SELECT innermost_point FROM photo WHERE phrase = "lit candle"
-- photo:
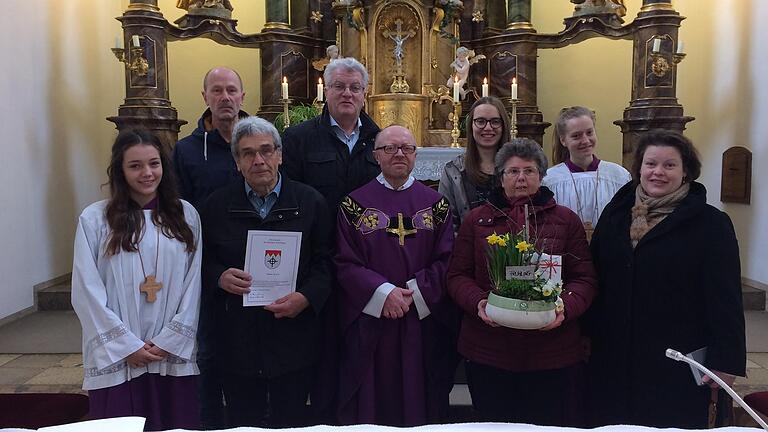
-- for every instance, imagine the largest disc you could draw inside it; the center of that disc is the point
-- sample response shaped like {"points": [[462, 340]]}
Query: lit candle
{"points": [[135, 39], [679, 46], [513, 91], [319, 89], [456, 89], [118, 42], [656, 45], [485, 87], [285, 88]]}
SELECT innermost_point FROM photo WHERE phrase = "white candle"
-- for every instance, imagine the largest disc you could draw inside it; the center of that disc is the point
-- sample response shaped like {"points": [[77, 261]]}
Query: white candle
{"points": [[285, 88], [656, 45], [680, 46], [319, 89], [513, 91], [135, 39], [456, 89], [485, 87], [118, 42]]}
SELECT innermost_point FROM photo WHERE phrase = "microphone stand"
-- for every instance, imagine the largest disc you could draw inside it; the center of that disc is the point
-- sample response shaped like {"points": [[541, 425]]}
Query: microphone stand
{"points": [[678, 356]]}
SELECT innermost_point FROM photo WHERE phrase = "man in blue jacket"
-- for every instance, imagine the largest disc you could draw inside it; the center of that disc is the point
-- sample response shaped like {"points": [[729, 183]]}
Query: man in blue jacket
{"points": [[203, 162]]}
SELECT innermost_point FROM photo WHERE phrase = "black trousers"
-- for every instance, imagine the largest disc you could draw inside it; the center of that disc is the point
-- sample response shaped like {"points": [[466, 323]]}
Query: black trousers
{"points": [[548, 397], [278, 402]]}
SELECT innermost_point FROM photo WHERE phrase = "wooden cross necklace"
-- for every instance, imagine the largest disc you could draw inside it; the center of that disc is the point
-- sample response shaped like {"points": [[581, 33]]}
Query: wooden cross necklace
{"points": [[150, 285]]}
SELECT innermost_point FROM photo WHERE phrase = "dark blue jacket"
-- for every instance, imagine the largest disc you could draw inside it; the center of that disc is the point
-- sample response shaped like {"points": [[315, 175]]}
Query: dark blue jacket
{"points": [[203, 162]]}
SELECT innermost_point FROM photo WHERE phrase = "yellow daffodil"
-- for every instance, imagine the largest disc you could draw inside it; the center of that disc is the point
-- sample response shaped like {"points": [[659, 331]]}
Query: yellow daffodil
{"points": [[493, 239], [523, 246], [546, 291], [502, 242]]}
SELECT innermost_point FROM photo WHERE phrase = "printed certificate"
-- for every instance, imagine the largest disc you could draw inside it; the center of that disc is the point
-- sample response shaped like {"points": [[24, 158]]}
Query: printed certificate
{"points": [[272, 260]]}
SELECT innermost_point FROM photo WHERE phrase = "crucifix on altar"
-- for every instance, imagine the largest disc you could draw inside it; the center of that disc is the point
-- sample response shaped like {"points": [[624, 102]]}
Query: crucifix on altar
{"points": [[399, 84]]}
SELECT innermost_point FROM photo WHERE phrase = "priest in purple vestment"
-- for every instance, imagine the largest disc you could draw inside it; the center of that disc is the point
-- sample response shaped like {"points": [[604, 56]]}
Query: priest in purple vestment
{"points": [[399, 325]]}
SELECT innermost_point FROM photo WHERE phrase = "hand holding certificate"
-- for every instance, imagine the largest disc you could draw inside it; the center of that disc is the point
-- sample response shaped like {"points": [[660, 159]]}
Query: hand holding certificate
{"points": [[272, 260]]}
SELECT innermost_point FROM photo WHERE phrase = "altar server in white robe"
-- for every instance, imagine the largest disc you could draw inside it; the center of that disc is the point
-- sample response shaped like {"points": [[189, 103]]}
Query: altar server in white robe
{"points": [[579, 180], [136, 290]]}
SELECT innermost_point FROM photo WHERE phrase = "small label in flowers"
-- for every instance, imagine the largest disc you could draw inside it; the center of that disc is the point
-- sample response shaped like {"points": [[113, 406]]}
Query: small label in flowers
{"points": [[520, 272]]}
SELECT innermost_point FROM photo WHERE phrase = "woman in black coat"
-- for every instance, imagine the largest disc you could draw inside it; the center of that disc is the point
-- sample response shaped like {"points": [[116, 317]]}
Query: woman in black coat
{"points": [[668, 267]]}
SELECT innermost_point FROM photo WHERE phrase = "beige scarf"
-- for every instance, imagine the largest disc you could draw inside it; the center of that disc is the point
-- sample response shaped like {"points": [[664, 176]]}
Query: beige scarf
{"points": [[649, 211]]}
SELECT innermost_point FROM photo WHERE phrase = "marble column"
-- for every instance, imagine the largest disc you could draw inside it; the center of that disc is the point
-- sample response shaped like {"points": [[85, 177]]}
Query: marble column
{"points": [[654, 103], [519, 15], [277, 15], [147, 102]]}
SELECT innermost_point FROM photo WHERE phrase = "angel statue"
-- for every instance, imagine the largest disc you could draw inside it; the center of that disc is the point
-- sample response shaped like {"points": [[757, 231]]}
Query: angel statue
{"points": [[465, 58], [332, 53]]}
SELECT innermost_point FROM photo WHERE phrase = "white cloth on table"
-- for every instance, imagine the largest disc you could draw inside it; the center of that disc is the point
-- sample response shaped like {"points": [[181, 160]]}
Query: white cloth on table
{"points": [[116, 318]]}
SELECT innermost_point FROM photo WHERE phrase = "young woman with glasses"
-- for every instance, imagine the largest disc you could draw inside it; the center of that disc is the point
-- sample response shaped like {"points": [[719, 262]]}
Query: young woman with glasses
{"points": [[468, 179]]}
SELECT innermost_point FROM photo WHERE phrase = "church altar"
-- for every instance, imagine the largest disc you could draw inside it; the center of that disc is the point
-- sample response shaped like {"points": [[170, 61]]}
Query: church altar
{"points": [[428, 60]]}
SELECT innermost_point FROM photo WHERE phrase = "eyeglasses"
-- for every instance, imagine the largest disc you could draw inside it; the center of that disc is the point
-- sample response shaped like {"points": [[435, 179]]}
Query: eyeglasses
{"points": [[481, 122], [339, 87], [266, 152], [515, 172], [392, 149]]}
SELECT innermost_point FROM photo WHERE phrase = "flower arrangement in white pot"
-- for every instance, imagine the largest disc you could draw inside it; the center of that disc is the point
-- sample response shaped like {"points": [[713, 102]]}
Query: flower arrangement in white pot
{"points": [[527, 284]]}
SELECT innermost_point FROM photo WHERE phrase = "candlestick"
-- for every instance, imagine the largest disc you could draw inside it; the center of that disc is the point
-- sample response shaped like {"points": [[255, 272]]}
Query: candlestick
{"points": [[513, 91], [656, 45], [485, 87], [285, 88], [513, 119], [135, 40], [319, 89], [679, 46], [456, 93], [455, 117]]}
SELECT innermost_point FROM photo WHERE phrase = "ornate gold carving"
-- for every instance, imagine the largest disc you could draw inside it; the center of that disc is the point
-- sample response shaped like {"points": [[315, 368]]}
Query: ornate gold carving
{"points": [[358, 21], [137, 63], [477, 16], [408, 110], [316, 16], [435, 31], [438, 95]]}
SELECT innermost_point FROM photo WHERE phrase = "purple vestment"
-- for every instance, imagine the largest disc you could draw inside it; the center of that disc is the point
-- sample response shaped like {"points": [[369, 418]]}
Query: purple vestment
{"points": [[395, 371]]}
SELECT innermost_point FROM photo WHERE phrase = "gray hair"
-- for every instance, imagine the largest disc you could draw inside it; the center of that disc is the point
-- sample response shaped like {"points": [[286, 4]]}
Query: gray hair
{"points": [[346, 64], [250, 126], [524, 148]]}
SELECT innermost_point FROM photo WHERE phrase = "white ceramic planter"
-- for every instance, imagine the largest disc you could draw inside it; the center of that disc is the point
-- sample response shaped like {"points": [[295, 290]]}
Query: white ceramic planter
{"points": [[519, 314]]}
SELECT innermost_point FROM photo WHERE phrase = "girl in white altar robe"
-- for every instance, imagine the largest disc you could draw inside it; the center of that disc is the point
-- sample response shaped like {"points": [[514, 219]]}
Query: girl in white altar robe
{"points": [[136, 290], [579, 180]]}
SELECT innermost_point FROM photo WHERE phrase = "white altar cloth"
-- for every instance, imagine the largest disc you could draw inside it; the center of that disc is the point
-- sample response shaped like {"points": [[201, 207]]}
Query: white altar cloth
{"points": [[430, 161]]}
